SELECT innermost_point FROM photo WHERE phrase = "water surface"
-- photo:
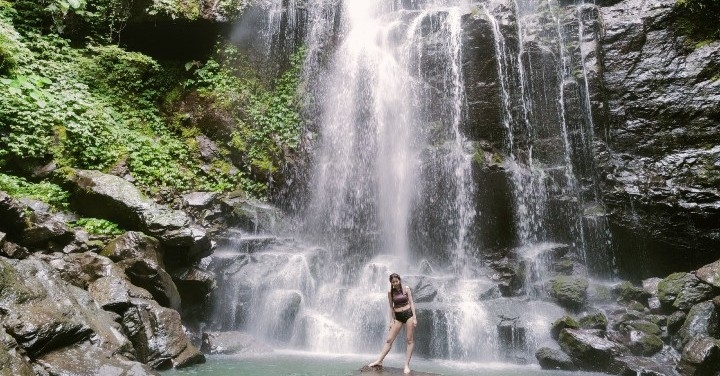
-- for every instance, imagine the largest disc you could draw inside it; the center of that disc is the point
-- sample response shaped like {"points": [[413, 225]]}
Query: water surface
{"points": [[281, 363]]}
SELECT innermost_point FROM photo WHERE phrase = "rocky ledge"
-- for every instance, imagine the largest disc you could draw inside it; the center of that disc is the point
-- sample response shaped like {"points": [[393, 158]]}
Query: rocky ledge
{"points": [[76, 303], [668, 326]]}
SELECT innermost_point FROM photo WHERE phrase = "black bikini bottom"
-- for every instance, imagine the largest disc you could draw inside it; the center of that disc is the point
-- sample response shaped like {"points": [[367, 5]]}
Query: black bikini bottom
{"points": [[403, 316]]}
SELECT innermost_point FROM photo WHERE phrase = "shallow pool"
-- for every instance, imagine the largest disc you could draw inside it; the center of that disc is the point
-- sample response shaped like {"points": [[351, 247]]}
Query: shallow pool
{"points": [[286, 363]]}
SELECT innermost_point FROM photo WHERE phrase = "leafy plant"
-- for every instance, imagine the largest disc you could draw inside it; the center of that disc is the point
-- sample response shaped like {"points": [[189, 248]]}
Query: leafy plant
{"points": [[97, 226], [49, 193]]}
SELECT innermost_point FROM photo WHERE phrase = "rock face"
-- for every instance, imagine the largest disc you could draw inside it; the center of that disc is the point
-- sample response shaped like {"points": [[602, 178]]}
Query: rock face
{"points": [[660, 159], [110, 197]]}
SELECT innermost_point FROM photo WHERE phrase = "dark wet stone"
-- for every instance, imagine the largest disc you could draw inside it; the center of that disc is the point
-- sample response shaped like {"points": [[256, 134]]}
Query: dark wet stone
{"points": [[13, 360], [595, 320], [710, 274], [675, 321], [642, 366], [562, 323], [232, 343], [554, 359], [134, 244], [702, 320], [701, 356], [683, 290], [626, 291], [85, 359], [570, 292], [588, 351]]}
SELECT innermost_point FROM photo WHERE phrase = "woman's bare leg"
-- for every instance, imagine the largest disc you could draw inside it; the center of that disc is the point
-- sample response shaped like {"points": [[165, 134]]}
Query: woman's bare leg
{"points": [[409, 335], [394, 330]]}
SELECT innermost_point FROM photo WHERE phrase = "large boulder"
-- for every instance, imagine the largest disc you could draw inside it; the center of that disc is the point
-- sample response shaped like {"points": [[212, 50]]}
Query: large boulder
{"points": [[570, 292], [710, 274], [554, 359], [702, 320], [158, 336], [13, 360], [683, 290], [141, 258], [45, 314], [79, 269], [110, 197], [588, 351], [86, 359], [116, 293], [38, 312], [701, 356], [32, 228]]}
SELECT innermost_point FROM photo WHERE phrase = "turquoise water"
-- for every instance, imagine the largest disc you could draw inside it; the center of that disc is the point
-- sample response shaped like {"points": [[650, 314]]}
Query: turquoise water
{"points": [[313, 364]]}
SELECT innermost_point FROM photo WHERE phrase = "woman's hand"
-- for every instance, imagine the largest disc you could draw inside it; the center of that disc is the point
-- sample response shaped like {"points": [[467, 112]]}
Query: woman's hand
{"points": [[415, 321]]}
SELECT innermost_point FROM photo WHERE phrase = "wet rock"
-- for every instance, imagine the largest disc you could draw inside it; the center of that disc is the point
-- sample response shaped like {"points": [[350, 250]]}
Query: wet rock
{"points": [[12, 250], [424, 291], [154, 279], [641, 326], [710, 274], [562, 323], [13, 216], [675, 321], [85, 359], [110, 197], [195, 286], [115, 293], [644, 344], [588, 351], [626, 291], [511, 335], [158, 336], [642, 366], [569, 292], [79, 269], [137, 245], [13, 361], [702, 320], [554, 359], [38, 312], [683, 290], [595, 320], [651, 285], [232, 343], [701, 356], [199, 200], [251, 216], [661, 122]]}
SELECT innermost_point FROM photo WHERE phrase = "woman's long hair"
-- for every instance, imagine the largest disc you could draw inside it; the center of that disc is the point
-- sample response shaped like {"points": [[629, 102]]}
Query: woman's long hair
{"points": [[395, 275]]}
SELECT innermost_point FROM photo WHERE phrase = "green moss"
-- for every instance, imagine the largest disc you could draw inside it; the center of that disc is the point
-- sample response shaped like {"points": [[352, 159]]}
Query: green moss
{"points": [[697, 19]]}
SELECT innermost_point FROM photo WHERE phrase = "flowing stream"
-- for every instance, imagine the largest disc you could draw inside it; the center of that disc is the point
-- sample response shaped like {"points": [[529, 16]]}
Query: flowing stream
{"points": [[394, 181]]}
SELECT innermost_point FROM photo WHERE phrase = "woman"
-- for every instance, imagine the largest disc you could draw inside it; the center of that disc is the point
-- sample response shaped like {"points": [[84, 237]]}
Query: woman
{"points": [[402, 311]]}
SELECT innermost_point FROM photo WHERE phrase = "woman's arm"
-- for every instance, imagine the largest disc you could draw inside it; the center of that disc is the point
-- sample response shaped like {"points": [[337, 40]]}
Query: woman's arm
{"points": [[392, 312], [412, 303]]}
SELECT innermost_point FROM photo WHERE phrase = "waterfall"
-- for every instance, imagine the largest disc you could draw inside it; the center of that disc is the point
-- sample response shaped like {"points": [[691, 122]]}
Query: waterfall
{"points": [[393, 183]]}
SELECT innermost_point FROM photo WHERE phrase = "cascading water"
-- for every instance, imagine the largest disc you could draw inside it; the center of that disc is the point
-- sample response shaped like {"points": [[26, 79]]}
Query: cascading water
{"points": [[393, 186]]}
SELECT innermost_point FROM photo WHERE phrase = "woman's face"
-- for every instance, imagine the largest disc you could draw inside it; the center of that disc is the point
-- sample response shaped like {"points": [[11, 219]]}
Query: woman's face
{"points": [[395, 283]]}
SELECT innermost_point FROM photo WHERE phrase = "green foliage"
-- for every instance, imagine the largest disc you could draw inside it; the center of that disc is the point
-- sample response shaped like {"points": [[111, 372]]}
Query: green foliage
{"points": [[12, 51], [116, 71], [268, 126], [47, 192], [187, 9], [697, 19], [99, 106], [97, 226]]}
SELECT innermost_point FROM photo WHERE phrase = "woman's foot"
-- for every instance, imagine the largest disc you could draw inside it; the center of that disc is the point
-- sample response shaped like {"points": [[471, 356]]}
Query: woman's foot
{"points": [[407, 370], [375, 364]]}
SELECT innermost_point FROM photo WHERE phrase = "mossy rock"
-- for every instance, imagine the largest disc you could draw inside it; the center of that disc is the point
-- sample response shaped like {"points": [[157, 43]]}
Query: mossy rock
{"points": [[569, 292], [562, 323], [594, 321], [643, 326], [626, 292], [646, 345]]}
